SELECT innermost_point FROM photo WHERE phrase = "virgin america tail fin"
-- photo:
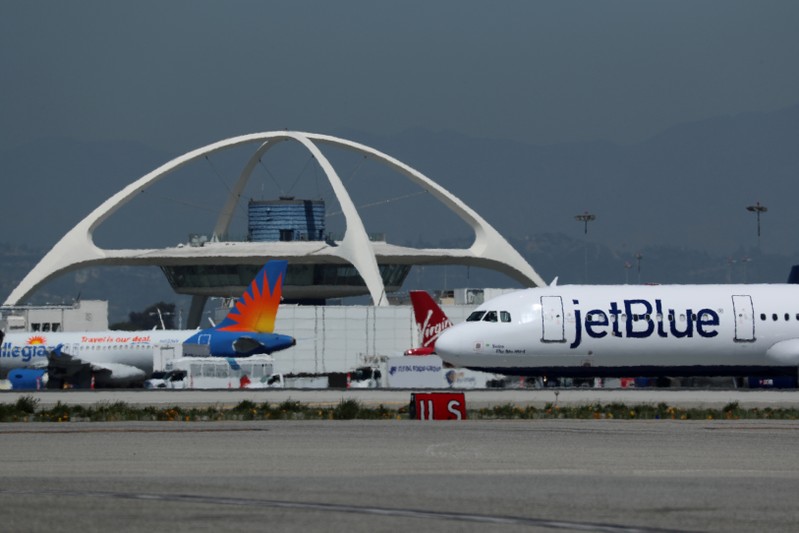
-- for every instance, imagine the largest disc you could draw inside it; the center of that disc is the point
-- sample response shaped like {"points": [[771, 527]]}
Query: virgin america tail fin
{"points": [[430, 320]]}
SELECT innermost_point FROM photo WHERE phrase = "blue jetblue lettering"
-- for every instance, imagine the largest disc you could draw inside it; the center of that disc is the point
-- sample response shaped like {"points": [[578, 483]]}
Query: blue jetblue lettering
{"points": [[640, 319]]}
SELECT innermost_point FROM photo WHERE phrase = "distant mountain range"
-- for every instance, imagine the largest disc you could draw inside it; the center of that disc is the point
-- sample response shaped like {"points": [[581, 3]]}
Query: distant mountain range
{"points": [[687, 187]]}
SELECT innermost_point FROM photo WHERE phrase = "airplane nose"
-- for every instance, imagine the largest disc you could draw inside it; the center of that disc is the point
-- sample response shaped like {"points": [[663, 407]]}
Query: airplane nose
{"points": [[447, 343]]}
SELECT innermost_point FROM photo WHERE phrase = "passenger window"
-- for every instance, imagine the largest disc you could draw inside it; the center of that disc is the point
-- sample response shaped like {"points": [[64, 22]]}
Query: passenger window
{"points": [[787, 317], [491, 316], [475, 316], [504, 316], [774, 317], [762, 316]]}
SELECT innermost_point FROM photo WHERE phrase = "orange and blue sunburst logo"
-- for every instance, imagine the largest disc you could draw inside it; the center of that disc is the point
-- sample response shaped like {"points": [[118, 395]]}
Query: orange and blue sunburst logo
{"points": [[256, 309], [36, 339]]}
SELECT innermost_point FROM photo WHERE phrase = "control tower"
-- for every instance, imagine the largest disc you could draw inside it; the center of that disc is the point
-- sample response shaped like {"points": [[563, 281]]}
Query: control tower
{"points": [[285, 220]]}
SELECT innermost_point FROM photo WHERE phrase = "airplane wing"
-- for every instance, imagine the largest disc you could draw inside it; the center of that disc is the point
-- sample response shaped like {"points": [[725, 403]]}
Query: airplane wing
{"points": [[119, 371], [65, 368]]}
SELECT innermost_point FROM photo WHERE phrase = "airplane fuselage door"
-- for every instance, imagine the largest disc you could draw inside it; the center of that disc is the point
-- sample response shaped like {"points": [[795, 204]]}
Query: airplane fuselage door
{"points": [[744, 318], [552, 319]]}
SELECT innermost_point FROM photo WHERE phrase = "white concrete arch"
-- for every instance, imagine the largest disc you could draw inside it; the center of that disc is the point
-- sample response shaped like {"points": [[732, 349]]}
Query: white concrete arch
{"points": [[77, 248], [487, 240]]}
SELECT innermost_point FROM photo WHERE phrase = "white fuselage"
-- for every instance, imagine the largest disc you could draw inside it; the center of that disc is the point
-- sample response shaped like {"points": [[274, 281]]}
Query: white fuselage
{"points": [[133, 348], [607, 330]]}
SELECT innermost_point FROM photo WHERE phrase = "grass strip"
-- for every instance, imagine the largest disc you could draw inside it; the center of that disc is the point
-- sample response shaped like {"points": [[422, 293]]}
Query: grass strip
{"points": [[27, 409]]}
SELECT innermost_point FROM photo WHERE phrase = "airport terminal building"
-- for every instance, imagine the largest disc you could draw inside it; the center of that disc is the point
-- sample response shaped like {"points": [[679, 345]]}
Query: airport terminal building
{"points": [[322, 266]]}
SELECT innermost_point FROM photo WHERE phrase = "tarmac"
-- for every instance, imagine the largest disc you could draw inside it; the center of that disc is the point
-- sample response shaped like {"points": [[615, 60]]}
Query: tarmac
{"points": [[400, 475]]}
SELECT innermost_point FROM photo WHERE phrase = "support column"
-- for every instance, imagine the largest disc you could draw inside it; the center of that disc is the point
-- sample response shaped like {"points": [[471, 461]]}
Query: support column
{"points": [[196, 311]]}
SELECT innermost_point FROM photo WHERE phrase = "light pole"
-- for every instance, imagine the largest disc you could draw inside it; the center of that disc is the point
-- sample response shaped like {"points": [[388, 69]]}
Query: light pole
{"points": [[638, 258], [161, 316], [757, 209], [585, 218], [744, 262], [730, 263]]}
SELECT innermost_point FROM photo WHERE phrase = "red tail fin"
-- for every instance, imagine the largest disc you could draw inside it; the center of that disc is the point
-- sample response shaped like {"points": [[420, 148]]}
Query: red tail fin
{"points": [[430, 320]]}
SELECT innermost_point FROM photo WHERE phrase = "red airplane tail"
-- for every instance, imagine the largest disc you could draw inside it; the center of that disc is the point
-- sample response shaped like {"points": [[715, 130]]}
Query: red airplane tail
{"points": [[430, 320]]}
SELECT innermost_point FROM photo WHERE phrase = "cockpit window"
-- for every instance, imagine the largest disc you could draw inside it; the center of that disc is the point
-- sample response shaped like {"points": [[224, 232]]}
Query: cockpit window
{"points": [[504, 316], [491, 316], [475, 316]]}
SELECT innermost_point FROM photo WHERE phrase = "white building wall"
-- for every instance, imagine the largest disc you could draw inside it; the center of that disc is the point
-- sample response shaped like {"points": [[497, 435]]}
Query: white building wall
{"points": [[85, 315], [88, 315], [475, 297], [342, 338]]}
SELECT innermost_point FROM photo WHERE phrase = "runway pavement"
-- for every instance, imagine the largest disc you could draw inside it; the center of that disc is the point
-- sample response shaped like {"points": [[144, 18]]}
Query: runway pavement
{"points": [[400, 475], [710, 398]]}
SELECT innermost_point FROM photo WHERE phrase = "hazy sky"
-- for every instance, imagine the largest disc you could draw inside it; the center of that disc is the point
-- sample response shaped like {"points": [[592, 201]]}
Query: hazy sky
{"points": [[180, 74]]}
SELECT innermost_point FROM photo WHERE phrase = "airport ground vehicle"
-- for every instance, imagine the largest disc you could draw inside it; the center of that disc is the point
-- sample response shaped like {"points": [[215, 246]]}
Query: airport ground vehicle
{"points": [[173, 379], [365, 377], [225, 373]]}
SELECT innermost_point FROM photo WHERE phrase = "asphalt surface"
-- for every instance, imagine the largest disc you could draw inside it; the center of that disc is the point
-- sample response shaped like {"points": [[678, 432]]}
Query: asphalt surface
{"points": [[400, 475]]}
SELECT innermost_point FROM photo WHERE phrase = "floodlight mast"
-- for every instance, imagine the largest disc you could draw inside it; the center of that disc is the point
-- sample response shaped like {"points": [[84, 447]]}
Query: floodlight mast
{"points": [[638, 258], [585, 218], [757, 209]]}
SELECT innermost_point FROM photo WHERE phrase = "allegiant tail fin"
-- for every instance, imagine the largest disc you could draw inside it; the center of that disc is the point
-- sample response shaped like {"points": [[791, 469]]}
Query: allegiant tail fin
{"points": [[256, 309]]}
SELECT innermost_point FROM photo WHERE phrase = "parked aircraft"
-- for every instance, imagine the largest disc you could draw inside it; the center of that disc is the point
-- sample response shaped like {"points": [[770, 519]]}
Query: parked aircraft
{"points": [[430, 320], [124, 358], [632, 330], [426, 369]]}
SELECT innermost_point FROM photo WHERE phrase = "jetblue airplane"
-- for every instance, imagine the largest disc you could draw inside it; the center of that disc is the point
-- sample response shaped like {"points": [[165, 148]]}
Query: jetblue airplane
{"points": [[125, 358], [632, 330]]}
